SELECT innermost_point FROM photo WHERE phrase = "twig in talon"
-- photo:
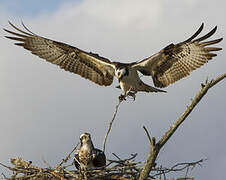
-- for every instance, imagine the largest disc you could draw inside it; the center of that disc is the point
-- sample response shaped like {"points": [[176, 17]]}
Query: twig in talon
{"points": [[122, 98], [110, 125]]}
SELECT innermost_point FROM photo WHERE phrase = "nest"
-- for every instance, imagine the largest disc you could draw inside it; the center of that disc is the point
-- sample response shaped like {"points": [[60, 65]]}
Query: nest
{"points": [[126, 169]]}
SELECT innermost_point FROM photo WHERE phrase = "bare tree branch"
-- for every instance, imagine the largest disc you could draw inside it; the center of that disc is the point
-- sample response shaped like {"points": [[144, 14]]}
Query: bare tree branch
{"points": [[198, 97], [177, 167], [155, 148], [67, 157], [148, 135], [110, 125]]}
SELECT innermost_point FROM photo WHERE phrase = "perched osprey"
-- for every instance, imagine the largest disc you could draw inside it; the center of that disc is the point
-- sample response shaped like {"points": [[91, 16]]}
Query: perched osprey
{"points": [[88, 156], [167, 66]]}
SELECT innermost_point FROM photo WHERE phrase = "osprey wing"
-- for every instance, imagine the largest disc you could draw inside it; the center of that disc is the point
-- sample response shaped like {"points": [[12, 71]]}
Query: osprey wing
{"points": [[88, 65], [76, 160], [177, 61], [100, 158]]}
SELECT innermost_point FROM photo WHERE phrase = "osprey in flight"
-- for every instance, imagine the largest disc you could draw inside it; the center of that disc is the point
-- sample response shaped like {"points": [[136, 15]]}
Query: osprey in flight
{"points": [[88, 156], [167, 66]]}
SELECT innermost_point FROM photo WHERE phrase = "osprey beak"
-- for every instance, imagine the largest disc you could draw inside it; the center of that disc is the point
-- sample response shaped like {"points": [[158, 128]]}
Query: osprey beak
{"points": [[121, 73]]}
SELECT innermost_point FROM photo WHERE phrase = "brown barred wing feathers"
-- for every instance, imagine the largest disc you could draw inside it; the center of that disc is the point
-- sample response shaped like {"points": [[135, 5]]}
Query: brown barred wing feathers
{"points": [[88, 65]]}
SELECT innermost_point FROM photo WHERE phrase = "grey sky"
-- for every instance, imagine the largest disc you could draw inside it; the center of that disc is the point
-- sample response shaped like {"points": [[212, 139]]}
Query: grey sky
{"points": [[44, 109]]}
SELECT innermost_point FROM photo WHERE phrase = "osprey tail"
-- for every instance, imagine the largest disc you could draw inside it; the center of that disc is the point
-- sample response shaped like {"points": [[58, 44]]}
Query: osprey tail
{"points": [[147, 88]]}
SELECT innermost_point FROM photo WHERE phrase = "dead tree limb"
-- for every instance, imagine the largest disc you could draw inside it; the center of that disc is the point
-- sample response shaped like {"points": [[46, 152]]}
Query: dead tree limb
{"points": [[110, 125], [67, 157], [155, 147]]}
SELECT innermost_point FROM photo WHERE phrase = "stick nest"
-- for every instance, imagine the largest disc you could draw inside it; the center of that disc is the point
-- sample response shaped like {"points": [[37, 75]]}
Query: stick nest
{"points": [[119, 169]]}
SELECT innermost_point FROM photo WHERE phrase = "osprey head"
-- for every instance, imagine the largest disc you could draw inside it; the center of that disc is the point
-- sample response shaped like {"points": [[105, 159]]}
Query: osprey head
{"points": [[121, 72], [85, 138]]}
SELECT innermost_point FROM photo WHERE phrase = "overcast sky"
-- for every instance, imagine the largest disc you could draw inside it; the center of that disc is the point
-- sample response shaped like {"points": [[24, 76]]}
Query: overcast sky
{"points": [[43, 109]]}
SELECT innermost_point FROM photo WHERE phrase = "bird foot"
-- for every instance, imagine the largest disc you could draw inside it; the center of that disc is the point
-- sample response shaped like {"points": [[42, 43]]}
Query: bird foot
{"points": [[132, 94], [122, 98]]}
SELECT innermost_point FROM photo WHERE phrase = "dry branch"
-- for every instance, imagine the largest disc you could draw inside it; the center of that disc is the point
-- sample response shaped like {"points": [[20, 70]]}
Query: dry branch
{"points": [[67, 157], [155, 148], [119, 169], [110, 125]]}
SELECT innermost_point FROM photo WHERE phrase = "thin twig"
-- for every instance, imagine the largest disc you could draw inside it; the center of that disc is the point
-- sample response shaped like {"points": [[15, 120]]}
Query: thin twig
{"points": [[46, 163], [187, 170], [110, 125], [117, 156], [8, 167], [177, 167], [4, 175], [67, 157], [148, 135]]}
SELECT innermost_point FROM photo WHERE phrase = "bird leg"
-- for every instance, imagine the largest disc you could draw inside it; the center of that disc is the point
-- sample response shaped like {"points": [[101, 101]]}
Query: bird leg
{"points": [[132, 94], [129, 93], [122, 97]]}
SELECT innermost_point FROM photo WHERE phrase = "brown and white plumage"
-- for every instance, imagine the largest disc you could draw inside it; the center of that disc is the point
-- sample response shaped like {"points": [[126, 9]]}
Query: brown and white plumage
{"points": [[87, 65], [166, 67], [177, 61], [87, 156]]}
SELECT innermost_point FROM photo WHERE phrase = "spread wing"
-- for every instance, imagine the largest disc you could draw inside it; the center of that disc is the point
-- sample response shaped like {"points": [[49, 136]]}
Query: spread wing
{"points": [[88, 65], [177, 61]]}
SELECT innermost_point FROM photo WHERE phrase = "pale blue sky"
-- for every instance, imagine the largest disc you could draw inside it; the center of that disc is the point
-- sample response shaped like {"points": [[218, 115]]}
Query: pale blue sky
{"points": [[32, 8], [43, 109]]}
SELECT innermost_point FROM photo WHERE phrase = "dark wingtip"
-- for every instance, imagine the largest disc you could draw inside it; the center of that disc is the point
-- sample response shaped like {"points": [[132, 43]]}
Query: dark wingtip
{"points": [[11, 24], [5, 29], [221, 39], [25, 27], [214, 29], [196, 34], [8, 37], [202, 26], [207, 35]]}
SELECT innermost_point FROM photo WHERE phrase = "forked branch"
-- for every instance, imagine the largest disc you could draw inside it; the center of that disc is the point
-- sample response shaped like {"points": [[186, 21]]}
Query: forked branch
{"points": [[155, 148]]}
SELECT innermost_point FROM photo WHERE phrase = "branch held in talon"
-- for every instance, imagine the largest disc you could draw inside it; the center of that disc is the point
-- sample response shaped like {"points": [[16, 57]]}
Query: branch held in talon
{"points": [[167, 66]]}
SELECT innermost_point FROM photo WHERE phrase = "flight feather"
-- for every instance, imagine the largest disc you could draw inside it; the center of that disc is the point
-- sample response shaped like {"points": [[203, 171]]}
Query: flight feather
{"points": [[88, 65], [177, 60]]}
